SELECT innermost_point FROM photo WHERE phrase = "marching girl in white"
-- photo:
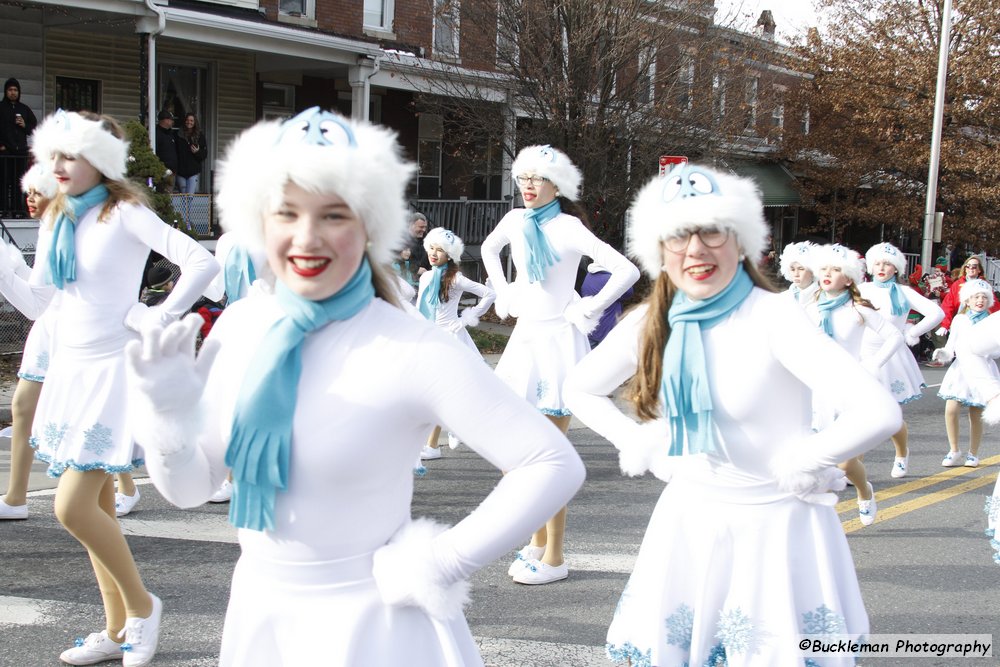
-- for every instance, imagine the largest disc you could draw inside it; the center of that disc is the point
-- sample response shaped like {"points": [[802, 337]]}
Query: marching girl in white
{"points": [[441, 289], [92, 249], [845, 316], [900, 375], [39, 185], [795, 268], [547, 240], [317, 397], [744, 551], [976, 298]]}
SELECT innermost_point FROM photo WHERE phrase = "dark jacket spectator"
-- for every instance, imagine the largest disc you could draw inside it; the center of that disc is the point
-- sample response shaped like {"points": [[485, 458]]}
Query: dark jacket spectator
{"points": [[17, 121], [166, 141]]}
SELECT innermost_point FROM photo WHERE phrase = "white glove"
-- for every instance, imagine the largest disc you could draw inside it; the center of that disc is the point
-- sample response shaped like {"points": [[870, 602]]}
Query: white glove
{"points": [[943, 354], [506, 303], [141, 318], [163, 368], [646, 451], [942, 331], [468, 318], [406, 574], [991, 415], [580, 313], [797, 472], [910, 339]]}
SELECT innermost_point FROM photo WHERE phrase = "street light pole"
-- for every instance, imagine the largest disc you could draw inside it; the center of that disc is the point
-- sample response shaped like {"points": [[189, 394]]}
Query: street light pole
{"points": [[935, 161]]}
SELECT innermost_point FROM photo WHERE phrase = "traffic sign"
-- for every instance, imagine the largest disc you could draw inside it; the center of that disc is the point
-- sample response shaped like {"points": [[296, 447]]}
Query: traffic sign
{"points": [[667, 162]]}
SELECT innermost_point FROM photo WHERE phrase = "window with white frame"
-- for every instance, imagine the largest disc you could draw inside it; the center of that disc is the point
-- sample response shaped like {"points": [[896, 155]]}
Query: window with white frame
{"points": [[430, 134], [753, 87], [508, 50], [646, 80], [297, 8], [719, 95], [778, 112], [685, 82], [446, 28], [804, 126], [378, 15]]}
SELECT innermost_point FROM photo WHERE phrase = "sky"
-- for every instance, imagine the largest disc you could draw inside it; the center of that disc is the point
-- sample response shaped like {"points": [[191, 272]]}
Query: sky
{"points": [[791, 16]]}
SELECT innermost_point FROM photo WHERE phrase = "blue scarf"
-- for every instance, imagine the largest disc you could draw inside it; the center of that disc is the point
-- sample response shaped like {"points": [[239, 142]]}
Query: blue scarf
{"points": [[62, 253], [431, 297], [687, 396], [539, 254], [900, 304], [260, 440], [826, 307], [976, 317], [237, 267]]}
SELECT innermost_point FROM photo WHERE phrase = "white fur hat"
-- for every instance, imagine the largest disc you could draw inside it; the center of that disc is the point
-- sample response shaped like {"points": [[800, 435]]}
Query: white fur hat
{"points": [[550, 163], [795, 252], [691, 197], [834, 254], [887, 251], [970, 288], [447, 241], [69, 133], [40, 179], [321, 152]]}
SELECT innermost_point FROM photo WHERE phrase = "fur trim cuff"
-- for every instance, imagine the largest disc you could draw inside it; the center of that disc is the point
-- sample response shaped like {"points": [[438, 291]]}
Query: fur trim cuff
{"points": [[406, 573]]}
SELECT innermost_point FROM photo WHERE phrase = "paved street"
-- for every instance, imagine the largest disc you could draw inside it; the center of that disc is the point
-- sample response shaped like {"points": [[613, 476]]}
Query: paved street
{"points": [[925, 566]]}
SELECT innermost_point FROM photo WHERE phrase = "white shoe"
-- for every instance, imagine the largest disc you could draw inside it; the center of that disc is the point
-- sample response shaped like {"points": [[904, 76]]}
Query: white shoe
{"points": [[953, 459], [141, 637], [223, 494], [430, 453], [867, 508], [971, 461], [13, 512], [527, 553], [899, 466], [453, 441], [536, 572], [125, 504], [97, 647]]}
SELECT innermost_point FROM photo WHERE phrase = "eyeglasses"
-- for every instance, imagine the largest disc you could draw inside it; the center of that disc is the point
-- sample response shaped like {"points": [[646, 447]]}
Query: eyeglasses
{"points": [[534, 180], [711, 237], [972, 266]]}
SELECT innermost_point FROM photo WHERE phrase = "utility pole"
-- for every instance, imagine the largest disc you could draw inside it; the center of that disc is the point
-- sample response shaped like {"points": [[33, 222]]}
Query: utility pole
{"points": [[926, 253]]}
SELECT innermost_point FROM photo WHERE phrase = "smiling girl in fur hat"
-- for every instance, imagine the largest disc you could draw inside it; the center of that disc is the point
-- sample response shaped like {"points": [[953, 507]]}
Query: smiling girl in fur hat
{"points": [[547, 239], [723, 373], [318, 397], [441, 289], [900, 375], [844, 315], [92, 249]]}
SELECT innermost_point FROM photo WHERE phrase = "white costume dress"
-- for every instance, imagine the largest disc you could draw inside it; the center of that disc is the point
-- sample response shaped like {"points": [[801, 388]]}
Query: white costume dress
{"points": [[731, 567], [38, 345], [900, 375], [956, 385], [447, 317], [851, 323], [545, 345], [304, 593], [80, 421], [803, 297], [983, 342]]}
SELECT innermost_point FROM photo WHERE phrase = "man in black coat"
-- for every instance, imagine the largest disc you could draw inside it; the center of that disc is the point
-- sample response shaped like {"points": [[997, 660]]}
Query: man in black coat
{"points": [[17, 122], [166, 146]]}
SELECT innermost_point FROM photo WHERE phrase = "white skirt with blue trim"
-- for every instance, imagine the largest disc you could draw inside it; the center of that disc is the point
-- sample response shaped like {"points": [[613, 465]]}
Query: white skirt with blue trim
{"points": [[954, 386], [81, 422], [733, 576], [537, 358], [901, 376], [38, 349]]}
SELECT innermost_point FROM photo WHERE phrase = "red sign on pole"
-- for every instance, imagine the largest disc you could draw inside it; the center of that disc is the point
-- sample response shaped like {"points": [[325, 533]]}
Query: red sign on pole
{"points": [[667, 162]]}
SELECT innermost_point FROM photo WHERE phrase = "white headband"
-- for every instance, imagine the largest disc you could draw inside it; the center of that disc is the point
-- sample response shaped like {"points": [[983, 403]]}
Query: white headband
{"points": [[69, 133]]}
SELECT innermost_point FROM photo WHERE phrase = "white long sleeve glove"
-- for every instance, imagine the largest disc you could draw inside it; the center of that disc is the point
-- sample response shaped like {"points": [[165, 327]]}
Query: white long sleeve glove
{"points": [[141, 318], [798, 472], [468, 318], [910, 339], [943, 354], [942, 331], [580, 313], [506, 302], [167, 381], [646, 451]]}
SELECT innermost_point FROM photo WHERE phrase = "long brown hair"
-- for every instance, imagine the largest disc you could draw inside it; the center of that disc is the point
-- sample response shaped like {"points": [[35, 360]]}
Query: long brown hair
{"points": [[644, 390], [192, 134], [118, 191], [447, 279], [384, 283]]}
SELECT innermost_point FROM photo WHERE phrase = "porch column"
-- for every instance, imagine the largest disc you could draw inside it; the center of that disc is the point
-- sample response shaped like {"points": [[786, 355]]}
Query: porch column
{"points": [[509, 140], [358, 76]]}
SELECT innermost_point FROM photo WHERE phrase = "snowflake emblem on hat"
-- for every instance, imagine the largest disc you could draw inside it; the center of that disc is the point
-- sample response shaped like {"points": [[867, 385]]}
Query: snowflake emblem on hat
{"points": [[318, 128], [688, 181], [889, 249], [547, 152]]}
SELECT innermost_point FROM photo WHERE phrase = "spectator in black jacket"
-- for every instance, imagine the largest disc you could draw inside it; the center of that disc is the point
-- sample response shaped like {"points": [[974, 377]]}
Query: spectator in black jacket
{"points": [[192, 149], [166, 146], [17, 122]]}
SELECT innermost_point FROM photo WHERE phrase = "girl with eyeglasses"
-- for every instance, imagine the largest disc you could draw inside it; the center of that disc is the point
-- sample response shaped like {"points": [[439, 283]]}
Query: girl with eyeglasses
{"points": [[547, 240], [744, 551]]}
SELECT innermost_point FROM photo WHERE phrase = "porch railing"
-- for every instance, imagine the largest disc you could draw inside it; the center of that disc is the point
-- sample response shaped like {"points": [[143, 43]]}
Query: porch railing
{"points": [[471, 220]]}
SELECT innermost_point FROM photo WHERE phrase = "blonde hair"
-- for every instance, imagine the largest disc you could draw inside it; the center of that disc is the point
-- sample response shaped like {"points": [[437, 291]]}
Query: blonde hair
{"points": [[385, 285], [119, 191], [644, 390]]}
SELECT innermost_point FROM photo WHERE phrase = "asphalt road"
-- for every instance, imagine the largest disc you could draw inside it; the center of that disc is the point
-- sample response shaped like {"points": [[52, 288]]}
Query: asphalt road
{"points": [[925, 565]]}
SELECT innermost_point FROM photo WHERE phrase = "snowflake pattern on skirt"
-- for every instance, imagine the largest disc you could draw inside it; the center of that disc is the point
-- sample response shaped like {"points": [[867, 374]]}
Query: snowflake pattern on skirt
{"points": [[97, 439], [680, 625], [823, 621], [897, 388]]}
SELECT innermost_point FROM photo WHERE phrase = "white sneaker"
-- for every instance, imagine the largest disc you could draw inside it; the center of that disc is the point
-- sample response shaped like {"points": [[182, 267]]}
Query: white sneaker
{"points": [[899, 466], [867, 508], [97, 647], [971, 461], [13, 512], [223, 494], [953, 459], [527, 553], [430, 453], [453, 441], [536, 572], [141, 637], [125, 504]]}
